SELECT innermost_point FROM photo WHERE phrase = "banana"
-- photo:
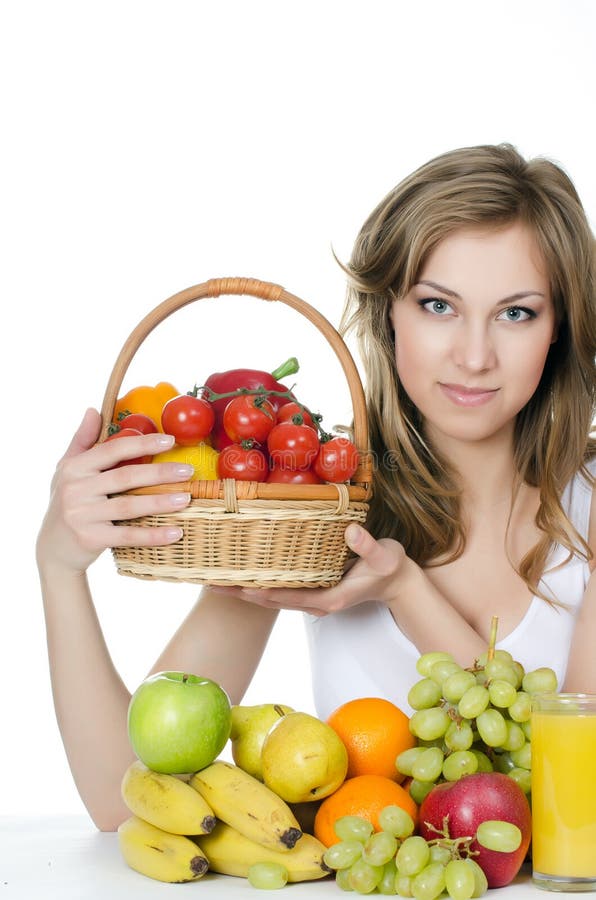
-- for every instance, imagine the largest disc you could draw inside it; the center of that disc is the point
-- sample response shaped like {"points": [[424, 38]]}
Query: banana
{"points": [[165, 801], [158, 854], [230, 853], [246, 804]]}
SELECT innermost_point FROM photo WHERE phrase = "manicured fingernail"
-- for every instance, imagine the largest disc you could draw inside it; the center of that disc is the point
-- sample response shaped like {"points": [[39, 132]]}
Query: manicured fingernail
{"points": [[179, 499], [184, 470], [174, 534], [164, 440], [353, 534]]}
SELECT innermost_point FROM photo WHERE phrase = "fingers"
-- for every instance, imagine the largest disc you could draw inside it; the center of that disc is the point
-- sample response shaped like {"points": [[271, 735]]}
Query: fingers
{"points": [[86, 434], [382, 557]]}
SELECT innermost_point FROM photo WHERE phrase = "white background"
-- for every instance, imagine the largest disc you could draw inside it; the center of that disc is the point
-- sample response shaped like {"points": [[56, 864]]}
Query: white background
{"points": [[149, 146]]}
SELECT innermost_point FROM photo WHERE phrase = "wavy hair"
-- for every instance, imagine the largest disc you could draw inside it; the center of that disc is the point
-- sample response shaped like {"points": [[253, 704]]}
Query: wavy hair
{"points": [[417, 498]]}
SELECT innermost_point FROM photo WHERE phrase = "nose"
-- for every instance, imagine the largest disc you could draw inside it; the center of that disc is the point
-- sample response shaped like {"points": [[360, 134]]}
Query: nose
{"points": [[473, 347]]}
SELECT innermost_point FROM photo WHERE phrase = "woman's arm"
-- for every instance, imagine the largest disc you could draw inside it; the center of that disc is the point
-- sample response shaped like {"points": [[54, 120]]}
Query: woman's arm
{"points": [[581, 668], [384, 573], [222, 637]]}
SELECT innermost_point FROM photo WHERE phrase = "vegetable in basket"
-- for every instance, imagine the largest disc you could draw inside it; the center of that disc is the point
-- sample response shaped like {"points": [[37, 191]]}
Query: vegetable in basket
{"points": [[224, 382], [147, 400]]}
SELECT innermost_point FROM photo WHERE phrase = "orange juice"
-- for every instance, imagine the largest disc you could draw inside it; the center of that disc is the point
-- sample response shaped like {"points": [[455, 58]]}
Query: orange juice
{"points": [[564, 790]]}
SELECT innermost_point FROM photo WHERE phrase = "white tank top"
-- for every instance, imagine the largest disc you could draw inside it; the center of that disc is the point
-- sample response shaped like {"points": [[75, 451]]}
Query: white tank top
{"points": [[361, 652]]}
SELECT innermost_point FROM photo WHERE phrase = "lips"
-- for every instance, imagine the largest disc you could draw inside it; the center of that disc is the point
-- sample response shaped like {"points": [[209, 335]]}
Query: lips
{"points": [[468, 396]]}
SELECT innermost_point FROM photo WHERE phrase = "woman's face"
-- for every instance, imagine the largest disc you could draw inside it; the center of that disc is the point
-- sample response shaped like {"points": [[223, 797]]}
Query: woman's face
{"points": [[472, 336]]}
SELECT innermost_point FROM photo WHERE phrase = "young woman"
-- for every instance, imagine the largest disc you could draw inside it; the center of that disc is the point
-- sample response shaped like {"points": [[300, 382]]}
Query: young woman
{"points": [[473, 292]]}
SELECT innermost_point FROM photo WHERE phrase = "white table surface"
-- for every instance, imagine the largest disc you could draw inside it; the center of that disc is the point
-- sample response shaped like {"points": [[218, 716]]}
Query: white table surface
{"points": [[66, 858]]}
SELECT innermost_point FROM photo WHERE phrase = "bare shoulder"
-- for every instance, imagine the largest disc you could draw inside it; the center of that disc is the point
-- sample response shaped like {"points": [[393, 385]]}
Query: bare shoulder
{"points": [[592, 529]]}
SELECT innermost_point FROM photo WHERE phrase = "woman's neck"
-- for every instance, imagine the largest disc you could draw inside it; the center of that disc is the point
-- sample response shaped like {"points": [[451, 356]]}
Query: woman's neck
{"points": [[485, 469]]}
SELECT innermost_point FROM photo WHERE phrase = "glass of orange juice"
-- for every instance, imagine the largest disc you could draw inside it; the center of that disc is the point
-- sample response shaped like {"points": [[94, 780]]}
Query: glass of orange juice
{"points": [[564, 791]]}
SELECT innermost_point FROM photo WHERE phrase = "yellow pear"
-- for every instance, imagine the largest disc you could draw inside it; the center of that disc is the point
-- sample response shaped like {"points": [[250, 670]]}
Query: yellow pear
{"points": [[303, 758], [250, 725]]}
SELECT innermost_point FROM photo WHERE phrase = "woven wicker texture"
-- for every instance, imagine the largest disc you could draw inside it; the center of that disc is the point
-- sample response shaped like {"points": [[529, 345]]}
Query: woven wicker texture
{"points": [[249, 533]]}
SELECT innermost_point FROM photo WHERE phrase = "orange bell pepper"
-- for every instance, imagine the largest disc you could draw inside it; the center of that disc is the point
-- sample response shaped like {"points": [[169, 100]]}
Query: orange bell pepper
{"points": [[147, 400]]}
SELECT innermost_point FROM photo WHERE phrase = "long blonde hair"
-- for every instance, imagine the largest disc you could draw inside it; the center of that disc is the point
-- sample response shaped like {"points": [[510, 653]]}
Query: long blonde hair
{"points": [[416, 495]]}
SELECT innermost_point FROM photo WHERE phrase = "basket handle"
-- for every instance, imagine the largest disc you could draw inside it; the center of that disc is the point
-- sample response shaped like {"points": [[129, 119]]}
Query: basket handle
{"points": [[215, 287]]}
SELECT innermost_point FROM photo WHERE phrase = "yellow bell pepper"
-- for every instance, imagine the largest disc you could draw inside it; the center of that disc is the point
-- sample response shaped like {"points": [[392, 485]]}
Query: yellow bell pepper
{"points": [[147, 400], [201, 456]]}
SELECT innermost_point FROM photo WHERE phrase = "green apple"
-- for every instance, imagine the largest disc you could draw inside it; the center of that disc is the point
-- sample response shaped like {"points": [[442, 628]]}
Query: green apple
{"points": [[178, 723], [250, 725], [303, 758]]}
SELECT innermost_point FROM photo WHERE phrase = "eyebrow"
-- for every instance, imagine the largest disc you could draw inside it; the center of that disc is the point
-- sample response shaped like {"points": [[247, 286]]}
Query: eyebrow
{"points": [[520, 295]]}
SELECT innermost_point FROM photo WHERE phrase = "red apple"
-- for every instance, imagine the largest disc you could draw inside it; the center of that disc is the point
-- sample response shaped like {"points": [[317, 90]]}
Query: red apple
{"points": [[472, 800]]}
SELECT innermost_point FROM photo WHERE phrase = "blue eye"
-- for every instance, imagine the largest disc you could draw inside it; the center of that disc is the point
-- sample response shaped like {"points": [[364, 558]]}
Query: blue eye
{"points": [[436, 306], [517, 314]]}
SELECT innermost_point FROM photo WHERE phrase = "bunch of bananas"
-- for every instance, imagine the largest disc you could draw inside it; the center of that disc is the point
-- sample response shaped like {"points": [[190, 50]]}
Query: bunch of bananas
{"points": [[222, 819]]}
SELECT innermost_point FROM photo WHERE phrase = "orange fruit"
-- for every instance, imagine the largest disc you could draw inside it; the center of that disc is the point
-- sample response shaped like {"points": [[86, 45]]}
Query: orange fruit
{"points": [[364, 795], [375, 732]]}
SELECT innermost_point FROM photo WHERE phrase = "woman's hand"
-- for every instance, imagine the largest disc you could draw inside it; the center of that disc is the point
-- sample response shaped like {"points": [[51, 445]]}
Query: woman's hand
{"points": [[378, 574], [86, 497]]}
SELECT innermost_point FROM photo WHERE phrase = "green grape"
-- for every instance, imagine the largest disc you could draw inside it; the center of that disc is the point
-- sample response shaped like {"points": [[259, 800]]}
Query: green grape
{"points": [[267, 875], [501, 669], [364, 878], [413, 855], [343, 854], [522, 758], [406, 758], [443, 669], [484, 763], [379, 848], [459, 763], [439, 854], [515, 739], [342, 880], [519, 671], [456, 685], [521, 708], [429, 724], [356, 828], [494, 834], [492, 727], [419, 790], [396, 821], [427, 661], [501, 693], [429, 764], [504, 763], [473, 702], [481, 884], [459, 880], [540, 681], [387, 883], [403, 885], [424, 694], [459, 736], [429, 883], [523, 777], [526, 727], [503, 655]]}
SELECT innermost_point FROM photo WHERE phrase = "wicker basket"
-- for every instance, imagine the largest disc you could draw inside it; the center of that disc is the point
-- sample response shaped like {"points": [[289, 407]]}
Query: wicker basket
{"points": [[250, 533]]}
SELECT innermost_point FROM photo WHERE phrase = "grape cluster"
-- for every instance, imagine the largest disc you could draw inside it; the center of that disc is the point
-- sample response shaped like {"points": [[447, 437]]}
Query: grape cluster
{"points": [[396, 861], [471, 720]]}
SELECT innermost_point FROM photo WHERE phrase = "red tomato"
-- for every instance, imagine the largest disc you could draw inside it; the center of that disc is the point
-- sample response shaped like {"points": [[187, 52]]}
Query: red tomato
{"points": [[293, 476], [290, 409], [292, 446], [337, 460], [129, 432], [242, 462], [141, 422], [248, 417], [188, 418]]}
